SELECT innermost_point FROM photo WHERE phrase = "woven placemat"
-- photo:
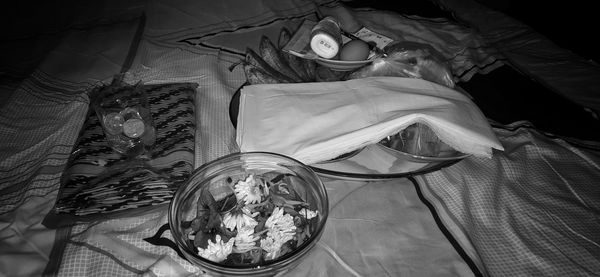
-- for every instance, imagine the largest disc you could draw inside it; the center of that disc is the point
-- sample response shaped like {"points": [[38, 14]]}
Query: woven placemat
{"points": [[100, 183]]}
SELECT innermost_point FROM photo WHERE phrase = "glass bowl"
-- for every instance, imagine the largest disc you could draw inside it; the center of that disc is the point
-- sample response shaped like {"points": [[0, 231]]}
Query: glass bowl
{"points": [[281, 202], [418, 143]]}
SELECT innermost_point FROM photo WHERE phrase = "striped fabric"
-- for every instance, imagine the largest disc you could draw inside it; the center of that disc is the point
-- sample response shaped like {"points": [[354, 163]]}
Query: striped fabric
{"points": [[31, 167], [530, 211], [40, 120]]}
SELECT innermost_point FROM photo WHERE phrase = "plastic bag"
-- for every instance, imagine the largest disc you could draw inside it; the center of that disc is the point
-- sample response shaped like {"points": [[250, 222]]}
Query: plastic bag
{"points": [[408, 59], [124, 113]]}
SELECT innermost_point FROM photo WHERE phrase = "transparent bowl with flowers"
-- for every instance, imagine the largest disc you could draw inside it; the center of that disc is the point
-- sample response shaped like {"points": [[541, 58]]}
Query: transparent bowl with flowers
{"points": [[252, 213]]}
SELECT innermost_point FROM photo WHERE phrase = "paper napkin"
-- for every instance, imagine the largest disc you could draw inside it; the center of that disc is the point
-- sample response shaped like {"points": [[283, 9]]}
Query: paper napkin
{"points": [[314, 122]]}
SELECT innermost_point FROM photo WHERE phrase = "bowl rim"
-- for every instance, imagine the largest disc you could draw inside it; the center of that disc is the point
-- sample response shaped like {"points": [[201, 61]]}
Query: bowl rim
{"points": [[282, 261]]}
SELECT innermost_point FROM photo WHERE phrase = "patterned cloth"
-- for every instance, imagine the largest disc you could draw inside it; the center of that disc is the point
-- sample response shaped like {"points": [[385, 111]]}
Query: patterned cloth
{"points": [[530, 211], [375, 227], [352, 243]]}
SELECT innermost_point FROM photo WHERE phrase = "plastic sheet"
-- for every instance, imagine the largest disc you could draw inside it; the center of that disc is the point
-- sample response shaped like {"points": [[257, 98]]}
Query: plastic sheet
{"points": [[408, 59]]}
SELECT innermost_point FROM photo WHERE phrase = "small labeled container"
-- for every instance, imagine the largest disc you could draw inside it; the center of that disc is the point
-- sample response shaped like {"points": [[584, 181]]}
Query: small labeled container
{"points": [[326, 38]]}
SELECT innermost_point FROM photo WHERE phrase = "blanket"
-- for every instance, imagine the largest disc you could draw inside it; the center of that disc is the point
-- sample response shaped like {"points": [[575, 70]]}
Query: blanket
{"points": [[394, 227]]}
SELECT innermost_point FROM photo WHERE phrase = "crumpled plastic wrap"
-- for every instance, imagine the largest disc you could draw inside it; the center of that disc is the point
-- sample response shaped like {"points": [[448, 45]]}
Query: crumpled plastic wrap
{"points": [[408, 59]]}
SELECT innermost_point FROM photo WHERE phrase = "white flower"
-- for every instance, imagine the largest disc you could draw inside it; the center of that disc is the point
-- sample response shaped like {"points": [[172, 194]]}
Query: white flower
{"points": [[245, 240], [308, 214], [280, 223], [280, 229], [248, 190], [240, 219], [272, 247], [217, 251]]}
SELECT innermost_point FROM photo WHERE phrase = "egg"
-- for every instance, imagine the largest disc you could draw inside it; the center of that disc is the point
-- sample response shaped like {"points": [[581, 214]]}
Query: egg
{"points": [[354, 50]]}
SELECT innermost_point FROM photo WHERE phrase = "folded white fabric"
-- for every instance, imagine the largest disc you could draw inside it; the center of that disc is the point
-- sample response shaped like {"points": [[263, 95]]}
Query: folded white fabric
{"points": [[314, 122]]}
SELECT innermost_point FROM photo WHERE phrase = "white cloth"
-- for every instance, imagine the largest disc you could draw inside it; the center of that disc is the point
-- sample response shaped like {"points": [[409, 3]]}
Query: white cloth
{"points": [[313, 122]]}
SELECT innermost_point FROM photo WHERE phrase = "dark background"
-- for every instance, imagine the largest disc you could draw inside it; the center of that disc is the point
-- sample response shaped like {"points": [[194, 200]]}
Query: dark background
{"points": [[506, 95]]}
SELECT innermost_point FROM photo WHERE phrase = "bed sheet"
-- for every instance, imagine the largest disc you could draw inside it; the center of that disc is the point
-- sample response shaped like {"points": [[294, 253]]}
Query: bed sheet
{"points": [[40, 118], [165, 42], [531, 211]]}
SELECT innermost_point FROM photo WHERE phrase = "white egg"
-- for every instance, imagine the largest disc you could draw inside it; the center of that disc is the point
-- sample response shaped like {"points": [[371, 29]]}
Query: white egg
{"points": [[354, 50]]}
